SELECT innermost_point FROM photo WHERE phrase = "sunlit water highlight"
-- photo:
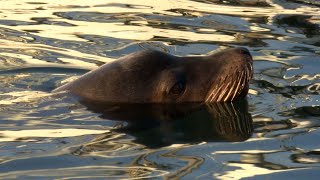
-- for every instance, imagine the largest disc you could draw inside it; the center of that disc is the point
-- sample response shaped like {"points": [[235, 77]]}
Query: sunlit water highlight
{"points": [[46, 43]]}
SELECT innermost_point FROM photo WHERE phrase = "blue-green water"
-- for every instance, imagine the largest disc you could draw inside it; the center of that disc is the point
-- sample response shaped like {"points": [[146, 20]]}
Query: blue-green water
{"points": [[272, 135]]}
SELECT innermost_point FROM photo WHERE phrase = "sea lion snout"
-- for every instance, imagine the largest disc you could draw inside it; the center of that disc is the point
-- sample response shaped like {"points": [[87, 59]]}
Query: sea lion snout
{"points": [[235, 72], [244, 51], [239, 53]]}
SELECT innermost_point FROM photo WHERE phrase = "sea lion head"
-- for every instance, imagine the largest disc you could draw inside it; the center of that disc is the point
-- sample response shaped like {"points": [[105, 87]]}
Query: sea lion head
{"points": [[156, 77]]}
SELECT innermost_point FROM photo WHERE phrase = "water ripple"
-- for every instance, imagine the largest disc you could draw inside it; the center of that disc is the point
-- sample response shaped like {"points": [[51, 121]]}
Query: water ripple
{"points": [[45, 44]]}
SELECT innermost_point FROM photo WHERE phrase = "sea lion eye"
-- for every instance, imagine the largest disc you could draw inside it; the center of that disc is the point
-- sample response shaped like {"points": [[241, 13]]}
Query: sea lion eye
{"points": [[177, 88]]}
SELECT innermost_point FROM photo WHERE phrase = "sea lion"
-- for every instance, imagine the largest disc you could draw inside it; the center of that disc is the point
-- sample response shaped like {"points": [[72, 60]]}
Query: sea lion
{"points": [[151, 76]]}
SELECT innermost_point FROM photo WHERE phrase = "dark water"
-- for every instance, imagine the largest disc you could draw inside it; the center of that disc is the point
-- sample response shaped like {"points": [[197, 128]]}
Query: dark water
{"points": [[272, 135]]}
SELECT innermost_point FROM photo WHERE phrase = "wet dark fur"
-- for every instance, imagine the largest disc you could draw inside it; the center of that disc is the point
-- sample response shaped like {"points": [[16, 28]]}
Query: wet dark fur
{"points": [[149, 77]]}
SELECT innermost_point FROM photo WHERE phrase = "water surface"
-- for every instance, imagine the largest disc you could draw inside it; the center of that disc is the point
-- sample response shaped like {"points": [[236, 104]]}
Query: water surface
{"points": [[274, 134]]}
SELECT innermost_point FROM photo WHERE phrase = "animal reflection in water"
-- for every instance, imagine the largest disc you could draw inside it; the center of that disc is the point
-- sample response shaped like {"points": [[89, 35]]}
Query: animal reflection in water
{"points": [[157, 125]]}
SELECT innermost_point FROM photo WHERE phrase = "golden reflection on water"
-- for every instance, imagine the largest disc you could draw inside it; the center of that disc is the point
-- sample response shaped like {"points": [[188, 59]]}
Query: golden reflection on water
{"points": [[246, 171], [28, 53], [117, 30], [137, 31], [85, 34], [101, 172], [193, 163], [22, 96], [48, 133]]}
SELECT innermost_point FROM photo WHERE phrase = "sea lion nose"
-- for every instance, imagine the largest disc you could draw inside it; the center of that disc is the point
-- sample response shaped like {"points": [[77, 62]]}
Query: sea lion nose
{"points": [[244, 51]]}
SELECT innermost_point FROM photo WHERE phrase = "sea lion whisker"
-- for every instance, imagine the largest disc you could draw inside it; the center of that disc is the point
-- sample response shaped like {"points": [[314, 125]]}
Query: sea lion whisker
{"points": [[209, 96], [248, 72], [251, 69], [237, 89], [216, 92], [245, 80], [247, 75], [240, 83], [224, 92], [211, 93], [231, 90]]}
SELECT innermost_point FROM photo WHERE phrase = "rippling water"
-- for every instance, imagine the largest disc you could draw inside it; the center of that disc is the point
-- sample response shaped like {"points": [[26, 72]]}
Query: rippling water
{"points": [[46, 43]]}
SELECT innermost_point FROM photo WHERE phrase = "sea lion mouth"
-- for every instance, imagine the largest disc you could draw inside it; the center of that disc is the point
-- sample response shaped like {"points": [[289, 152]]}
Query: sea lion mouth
{"points": [[234, 85]]}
